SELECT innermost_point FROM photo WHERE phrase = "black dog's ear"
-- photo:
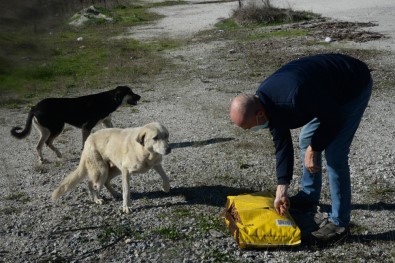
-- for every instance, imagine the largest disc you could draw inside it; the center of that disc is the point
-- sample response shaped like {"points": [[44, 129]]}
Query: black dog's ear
{"points": [[119, 93], [140, 138]]}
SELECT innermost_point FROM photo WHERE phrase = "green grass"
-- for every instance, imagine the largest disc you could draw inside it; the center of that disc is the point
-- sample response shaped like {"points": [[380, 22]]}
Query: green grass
{"points": [[228, 24], [32, 64], [171, 233], [169, 3], [111, 233], [208, 222]]}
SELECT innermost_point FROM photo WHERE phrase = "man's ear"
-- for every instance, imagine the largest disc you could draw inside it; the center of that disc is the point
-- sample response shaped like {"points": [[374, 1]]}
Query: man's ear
{"points": [[260, 113], [140, 138]]}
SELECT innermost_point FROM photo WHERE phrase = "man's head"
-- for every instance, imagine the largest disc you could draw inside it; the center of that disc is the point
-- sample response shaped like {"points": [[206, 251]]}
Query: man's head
{"points": [[246, 111]]}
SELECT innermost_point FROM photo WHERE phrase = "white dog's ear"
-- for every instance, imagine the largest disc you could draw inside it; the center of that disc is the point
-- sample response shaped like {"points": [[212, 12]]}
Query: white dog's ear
{"points": [[140, 138]]}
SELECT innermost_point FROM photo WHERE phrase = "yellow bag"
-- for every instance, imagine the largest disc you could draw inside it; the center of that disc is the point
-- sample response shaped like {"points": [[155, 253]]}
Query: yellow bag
{"points": [[254, 223]]}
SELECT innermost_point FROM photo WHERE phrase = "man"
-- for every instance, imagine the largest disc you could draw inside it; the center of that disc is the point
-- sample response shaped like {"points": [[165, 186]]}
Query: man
{"points": [[326, 95]]}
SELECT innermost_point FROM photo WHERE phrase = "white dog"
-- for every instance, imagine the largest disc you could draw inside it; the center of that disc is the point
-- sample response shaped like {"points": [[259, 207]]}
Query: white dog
{"points": [[113, 151]]}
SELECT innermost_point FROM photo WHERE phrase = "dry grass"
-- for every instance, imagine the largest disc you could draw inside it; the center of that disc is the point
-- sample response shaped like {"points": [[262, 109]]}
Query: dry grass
{"points": [[265, 13]]}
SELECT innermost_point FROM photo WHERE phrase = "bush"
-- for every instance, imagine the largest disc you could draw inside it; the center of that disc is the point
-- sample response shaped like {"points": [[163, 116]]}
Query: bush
{"points": [[265, 13]]}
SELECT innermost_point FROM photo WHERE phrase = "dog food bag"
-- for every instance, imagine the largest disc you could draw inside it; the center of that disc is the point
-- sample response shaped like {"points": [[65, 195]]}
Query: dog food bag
{"points": [[254, 223]]}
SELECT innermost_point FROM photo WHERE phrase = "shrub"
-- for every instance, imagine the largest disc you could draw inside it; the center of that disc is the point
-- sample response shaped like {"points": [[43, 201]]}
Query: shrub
{"points": [[265, 13]]}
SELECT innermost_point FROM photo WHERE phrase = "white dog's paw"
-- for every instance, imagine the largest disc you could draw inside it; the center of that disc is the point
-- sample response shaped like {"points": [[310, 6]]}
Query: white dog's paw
{"points": [[166, 187], [99, 201], [126, 209]]}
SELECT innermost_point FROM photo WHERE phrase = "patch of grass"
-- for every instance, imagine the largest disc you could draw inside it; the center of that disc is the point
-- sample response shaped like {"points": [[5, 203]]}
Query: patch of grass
{"points": [[10, 211], [358, 229], [381, 192], [129, 15], [111, 233], [228, 24], [207, 222], [37, 64], [169, 3], [181, 213], [171, 233], [134, 110], [18, 196]]}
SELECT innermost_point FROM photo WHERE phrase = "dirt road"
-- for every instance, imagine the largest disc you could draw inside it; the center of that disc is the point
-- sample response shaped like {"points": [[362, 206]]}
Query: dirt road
{"points": [[182, 21]]}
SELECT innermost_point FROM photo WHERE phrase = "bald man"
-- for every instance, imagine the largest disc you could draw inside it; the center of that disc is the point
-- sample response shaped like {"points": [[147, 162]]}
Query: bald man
{"points": [[326, 95]]}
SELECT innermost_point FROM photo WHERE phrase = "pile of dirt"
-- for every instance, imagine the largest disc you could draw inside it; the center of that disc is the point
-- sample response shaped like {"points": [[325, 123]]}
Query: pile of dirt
{"points": [[341, 30], [87, 15]]}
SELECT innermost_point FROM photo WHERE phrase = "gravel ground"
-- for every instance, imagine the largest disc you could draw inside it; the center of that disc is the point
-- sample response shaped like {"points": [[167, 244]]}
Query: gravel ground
{"points": [[211, 159]]}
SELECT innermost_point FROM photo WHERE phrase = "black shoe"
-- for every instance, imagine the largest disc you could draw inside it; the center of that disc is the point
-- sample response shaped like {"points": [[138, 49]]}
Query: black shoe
{"points": [[329, 231], [302, 203], [320, 218]]}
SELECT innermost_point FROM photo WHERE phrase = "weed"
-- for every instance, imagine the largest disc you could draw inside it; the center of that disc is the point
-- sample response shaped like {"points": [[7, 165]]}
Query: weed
{"points": [[380, 192], [18, 196], [358, 229], [228, 24], [182, 212], [134, 110], [171, 233], [208, 222], [169, 3], [111, 233], [10, 210]]}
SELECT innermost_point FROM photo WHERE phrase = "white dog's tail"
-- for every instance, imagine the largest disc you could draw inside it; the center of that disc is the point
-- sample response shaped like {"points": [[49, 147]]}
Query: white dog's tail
{"points": [[70, 182]]}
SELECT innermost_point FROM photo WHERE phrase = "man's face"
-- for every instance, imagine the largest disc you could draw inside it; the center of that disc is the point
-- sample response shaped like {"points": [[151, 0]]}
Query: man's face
{"points": [[254, 120]]}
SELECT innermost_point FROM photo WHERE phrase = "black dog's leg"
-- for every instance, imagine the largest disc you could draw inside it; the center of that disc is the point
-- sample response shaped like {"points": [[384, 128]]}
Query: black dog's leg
{"points": [[49, 143], [86, 130], [107, 122], [85, 133], [44, 135]]}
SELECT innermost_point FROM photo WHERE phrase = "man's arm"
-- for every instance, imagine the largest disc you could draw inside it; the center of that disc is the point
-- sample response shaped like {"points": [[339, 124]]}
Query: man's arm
{"points": [[284, 167], [284, 155], [281, 202]]}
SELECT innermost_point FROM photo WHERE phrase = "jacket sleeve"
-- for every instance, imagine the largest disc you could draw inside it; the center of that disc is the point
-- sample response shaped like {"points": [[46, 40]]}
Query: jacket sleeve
{"points": [[284, 154], [330, 124]]}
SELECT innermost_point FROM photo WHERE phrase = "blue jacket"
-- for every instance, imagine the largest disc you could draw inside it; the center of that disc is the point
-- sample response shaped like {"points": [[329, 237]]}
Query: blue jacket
{"points": [[304, 89]]}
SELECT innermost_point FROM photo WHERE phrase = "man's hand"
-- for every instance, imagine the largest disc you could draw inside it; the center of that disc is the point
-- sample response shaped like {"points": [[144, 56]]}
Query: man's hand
{"points": [[281, 202], [311, 161]]}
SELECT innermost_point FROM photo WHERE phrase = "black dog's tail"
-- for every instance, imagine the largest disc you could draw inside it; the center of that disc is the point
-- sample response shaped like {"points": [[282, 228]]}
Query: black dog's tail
{"points": [[28, 126]]}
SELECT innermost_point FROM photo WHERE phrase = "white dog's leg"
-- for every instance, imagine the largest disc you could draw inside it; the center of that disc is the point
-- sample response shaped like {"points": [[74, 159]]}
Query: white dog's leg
{"points": [[125, 191], [98, 175], [166, 184], [94, 191], [112, 173]]}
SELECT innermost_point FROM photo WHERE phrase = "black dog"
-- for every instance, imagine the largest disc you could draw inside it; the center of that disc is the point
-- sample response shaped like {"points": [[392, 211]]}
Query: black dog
{"points": [[50, 115]]}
